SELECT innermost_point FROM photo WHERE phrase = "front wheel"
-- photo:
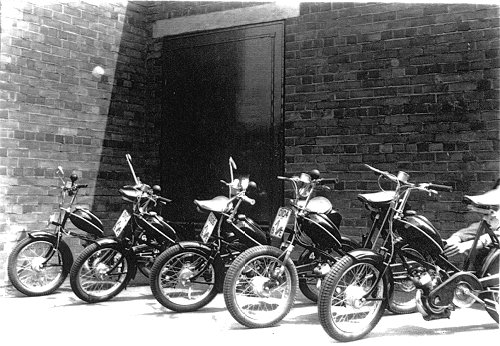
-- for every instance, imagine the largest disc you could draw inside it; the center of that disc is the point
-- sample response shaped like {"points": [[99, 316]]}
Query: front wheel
{"points": [[259, 288], [345, 311], [39, 266], [101, 272], [185, 279]]}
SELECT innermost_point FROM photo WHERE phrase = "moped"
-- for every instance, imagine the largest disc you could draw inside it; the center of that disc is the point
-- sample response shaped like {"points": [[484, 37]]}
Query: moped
{"points": [[106, 266], [188, 275], [261, 284], [39, 264], [356, 291]]}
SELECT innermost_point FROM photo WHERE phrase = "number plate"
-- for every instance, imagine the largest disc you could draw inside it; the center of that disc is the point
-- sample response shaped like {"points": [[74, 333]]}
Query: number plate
{"points": [[121, 223], [280, 222], [208, 228]]}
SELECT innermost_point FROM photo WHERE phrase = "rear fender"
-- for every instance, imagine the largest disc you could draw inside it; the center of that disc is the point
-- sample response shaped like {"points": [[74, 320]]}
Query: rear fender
{"points": [[348, 244]]}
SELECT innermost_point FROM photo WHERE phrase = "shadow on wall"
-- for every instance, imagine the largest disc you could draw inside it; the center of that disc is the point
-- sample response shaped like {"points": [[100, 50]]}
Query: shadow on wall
{"points": [[130, 126]]}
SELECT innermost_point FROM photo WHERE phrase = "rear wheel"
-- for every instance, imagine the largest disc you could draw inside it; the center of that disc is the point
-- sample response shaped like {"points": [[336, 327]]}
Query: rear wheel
{"points": [[344, 311], [184, 279], [36, 266], [260, 289], [101, 272]]}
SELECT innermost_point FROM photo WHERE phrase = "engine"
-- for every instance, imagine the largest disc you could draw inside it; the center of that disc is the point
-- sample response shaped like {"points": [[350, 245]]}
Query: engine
{"points": [[425, 281]]}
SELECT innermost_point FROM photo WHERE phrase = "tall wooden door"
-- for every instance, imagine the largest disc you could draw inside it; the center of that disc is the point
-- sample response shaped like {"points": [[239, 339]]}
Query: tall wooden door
{"points": [[222, 98]]}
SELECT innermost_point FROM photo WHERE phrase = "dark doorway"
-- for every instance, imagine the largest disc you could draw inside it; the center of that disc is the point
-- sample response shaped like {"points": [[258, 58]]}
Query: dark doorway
{"points": [[222, 98]]}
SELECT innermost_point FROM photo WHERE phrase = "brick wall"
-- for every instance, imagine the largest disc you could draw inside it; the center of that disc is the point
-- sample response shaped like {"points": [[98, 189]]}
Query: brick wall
{"points": [[53, 111], [398, 86]]}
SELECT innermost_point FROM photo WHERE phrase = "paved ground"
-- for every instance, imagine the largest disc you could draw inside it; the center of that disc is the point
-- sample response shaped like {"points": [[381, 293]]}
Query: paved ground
{"points": [[135, 317]]}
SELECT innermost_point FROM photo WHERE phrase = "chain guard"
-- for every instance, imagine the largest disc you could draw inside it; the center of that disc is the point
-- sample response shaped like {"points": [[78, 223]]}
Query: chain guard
{"points": [[442, 295]]}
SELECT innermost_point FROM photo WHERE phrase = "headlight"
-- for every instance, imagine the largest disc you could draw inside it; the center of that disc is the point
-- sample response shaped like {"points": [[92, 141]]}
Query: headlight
{"points": [[244, 183], [305, 178], [53, 219]]}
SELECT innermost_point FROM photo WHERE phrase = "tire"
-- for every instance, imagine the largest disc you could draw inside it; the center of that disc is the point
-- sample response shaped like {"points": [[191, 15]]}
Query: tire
{"points": [[491, 296], [171, 273], [26, 270], [101, 272], [249, 286], [339, 302], [310, 284]]}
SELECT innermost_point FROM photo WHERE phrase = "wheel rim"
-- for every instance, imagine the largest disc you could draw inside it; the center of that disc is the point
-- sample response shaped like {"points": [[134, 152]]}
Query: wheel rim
{"points": [[34, 271], [260, 293], [181, 280], [103, 272], [348, 311]]}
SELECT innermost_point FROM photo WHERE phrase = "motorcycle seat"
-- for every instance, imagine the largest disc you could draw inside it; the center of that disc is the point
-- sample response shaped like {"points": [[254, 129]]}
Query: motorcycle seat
{"points": [[488, 199], [377, 199], [319, 205], [217, 204]]}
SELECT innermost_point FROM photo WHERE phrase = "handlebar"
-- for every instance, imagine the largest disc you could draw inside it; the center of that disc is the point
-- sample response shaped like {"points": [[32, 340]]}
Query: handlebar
{"points": [[163, 199], [329, 181], [438, 187], [249, 200], [384, 173]]}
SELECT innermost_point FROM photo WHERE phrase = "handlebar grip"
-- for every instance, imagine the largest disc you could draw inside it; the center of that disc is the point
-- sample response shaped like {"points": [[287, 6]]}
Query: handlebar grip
{"points": [[163, 199], [80, 186], [329, 181], [249, 200], [438, 187], [282, 178]]}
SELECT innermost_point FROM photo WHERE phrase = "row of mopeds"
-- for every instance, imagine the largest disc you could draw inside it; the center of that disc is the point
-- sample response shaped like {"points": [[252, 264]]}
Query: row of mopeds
{"points": [[399, 265]]}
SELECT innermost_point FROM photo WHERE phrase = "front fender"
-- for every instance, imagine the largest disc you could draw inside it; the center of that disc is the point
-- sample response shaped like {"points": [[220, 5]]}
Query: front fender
{"points": [[107, 241], [42, 234], [359, 255], [376, 259], [193, 244]]}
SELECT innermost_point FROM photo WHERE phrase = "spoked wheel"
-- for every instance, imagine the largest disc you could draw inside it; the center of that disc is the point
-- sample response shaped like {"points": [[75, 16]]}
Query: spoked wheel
{"points": [[37, 267], [185, 279], [344, 311], [100, 273], [259, 289]]}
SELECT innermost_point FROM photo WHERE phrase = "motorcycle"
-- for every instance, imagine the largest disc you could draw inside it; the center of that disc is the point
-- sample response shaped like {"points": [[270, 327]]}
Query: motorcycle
{"points": [[261, 284], [106, 266], [39, 264], [356, 291], [188, 275]]}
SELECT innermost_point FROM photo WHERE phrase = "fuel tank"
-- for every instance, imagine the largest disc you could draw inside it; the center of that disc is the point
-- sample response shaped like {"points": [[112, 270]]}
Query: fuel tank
{"points": [[323, 229], [420, 234], [86, 221], [249, 232], [156, 228]]}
